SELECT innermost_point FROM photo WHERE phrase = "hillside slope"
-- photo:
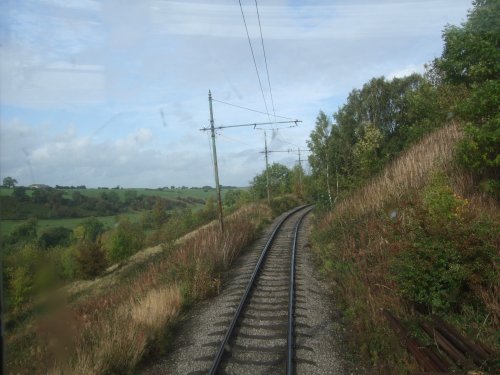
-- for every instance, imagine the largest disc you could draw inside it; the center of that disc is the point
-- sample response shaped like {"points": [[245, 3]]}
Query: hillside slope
{"points": [[417, 239]]}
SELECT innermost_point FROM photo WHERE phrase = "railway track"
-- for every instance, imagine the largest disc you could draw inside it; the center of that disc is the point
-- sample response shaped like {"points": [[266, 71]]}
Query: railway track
{"points": [[260, 336]]}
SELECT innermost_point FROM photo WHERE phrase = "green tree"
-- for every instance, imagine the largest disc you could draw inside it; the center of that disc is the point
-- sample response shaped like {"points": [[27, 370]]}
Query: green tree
{"points": [[366, 151], [298, 183], [23, 234], [90, 259], [89, 230], [471, 58], [20, 194], [321, 156], [9, 182], [279, 181], [124, 240], [159, 212], [58, 236]]}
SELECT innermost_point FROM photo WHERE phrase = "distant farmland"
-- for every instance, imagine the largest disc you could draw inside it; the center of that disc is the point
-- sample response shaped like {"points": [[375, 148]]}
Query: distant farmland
{"points": [[193, 198]]}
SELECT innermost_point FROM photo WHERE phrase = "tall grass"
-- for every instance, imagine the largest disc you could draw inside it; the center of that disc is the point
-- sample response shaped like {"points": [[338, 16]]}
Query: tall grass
{"points": [[409, 172], [113, 331], [360, 241]]}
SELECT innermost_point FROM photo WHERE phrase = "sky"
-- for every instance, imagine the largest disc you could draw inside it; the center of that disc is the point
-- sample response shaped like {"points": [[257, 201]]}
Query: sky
{"points": [[115, 92]]}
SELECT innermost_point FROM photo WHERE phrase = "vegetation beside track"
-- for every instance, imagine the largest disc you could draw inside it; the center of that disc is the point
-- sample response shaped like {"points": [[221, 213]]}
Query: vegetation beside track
{"points": [[408, 181], [416, 240], [113, 329]]}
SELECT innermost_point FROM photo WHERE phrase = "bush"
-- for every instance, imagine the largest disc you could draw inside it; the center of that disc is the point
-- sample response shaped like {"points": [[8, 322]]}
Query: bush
{"points": [[284, 203], [124, 240], [90, 259], [58, 236], [21, 285], [449, 252]]}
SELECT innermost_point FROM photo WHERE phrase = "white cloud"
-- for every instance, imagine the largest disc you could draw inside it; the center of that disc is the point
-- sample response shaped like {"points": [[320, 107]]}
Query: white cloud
{"points": [[82, 82], [406, 71]]}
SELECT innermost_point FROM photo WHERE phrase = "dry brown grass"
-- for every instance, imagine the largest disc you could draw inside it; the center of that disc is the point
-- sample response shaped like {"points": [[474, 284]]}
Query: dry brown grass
{"points": [[111, 332], [357, 244], [409, 172]]}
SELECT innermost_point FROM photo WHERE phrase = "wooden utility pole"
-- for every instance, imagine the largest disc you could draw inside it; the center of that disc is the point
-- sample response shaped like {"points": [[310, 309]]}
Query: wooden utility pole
{"points": [[300, 174], [212, 129], [216, 168], [267, 170]]}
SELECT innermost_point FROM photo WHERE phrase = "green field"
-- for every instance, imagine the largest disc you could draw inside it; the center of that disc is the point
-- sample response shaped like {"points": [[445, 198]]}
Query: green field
{"points": [[171, 194], [6, 226]]}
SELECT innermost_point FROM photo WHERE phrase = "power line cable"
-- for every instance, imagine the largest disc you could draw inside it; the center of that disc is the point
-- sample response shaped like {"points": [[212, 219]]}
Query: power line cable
{"points": [[252, 110], [232, 139], [253, 57], [265, 59]]}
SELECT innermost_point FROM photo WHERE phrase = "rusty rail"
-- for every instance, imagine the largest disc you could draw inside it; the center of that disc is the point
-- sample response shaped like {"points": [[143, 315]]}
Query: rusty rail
{"points": [[463, 352]]}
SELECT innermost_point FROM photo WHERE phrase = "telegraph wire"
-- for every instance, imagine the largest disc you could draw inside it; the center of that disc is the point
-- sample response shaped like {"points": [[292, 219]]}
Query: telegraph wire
{"points": [[252, 110], [265, 59], [253, 57]]}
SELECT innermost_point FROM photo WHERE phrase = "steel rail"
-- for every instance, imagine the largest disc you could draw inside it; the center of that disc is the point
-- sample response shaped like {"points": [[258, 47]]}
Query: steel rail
{"points": [[291, 300], [244, 298]]}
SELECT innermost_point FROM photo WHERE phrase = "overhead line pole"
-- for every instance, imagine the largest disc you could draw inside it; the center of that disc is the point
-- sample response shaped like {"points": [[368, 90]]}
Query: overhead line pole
{"points": [[299, 150], [300, 170], [216, 168], [266, 152], [212, 129], [267, 170]]}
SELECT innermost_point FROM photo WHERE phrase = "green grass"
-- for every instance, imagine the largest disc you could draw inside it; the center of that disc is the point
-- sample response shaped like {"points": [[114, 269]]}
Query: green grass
{"points": [[6, 226]]}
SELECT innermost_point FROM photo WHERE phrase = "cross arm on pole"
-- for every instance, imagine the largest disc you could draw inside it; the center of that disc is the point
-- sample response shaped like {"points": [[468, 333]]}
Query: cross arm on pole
{"points": [[252, 124]]}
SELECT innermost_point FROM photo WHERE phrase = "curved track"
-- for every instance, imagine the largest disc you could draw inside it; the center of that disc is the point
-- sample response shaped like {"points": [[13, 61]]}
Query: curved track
{"points": [[260, 336]]}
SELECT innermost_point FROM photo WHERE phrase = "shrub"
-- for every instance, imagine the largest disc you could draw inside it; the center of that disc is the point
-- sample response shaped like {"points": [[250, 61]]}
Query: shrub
{"points": [[55, 236], [89, 230], [21, 285], [124, 240], [90, 259], [284, 203], [449, 251]]}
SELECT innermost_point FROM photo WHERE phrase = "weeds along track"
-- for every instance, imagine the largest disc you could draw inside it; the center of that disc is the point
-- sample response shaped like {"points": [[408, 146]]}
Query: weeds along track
{"points": [[318, 329], [260, 335]]}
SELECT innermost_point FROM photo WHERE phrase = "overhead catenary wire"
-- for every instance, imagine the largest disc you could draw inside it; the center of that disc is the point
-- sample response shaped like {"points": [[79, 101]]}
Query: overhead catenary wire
{"points": [[252, 110], [265, 59], [232, 139], [254, 62]]}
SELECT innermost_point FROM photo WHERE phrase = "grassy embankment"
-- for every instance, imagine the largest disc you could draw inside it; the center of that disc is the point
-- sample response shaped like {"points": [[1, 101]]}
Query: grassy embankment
{"points": [[110, 329], [417, 239]]}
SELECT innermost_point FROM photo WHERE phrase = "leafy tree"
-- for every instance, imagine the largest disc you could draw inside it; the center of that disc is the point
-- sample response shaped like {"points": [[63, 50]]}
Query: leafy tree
{"points": [[159, 212], [209, 211], [124, 240], [130, 196], [23, 234], [232, 197], [89, 230], [279, 181], [20, 194], [298, 181], [40, 195], [321, 155], [9, 182], [58, 236], [471, 58], [366, 151]]}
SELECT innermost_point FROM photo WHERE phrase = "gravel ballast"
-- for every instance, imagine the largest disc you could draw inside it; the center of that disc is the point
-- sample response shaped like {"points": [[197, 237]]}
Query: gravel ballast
{"points": [[317, 329]]}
